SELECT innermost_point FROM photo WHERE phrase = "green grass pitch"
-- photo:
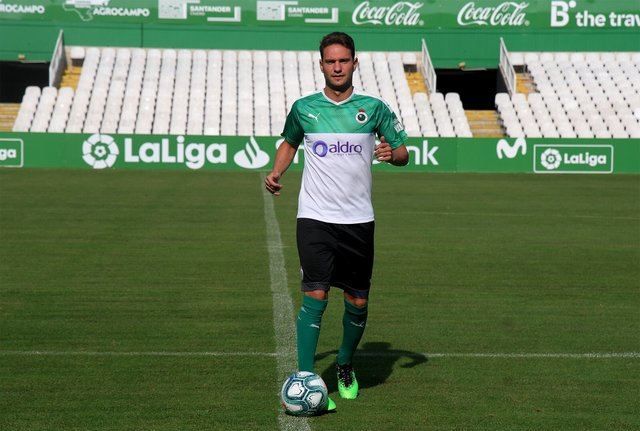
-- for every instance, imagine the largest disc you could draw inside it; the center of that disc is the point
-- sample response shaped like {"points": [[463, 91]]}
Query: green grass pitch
{"points": [[142, 301]]}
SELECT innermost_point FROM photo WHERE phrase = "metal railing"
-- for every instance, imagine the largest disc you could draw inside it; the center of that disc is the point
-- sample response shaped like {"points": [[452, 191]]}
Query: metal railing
{"points": [[58, 61], [427, 70], [506, 68]]}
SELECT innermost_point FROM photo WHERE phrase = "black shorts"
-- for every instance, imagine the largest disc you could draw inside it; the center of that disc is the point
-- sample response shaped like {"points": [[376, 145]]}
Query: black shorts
{"points": [[339, 255]]}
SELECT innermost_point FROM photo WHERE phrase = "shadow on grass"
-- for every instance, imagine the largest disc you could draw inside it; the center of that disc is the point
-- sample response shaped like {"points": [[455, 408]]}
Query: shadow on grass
{"points": [[373, 363]]}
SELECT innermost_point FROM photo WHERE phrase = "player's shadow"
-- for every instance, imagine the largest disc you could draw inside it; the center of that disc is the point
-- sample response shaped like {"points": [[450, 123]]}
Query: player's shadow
{"points": [[373, 363]]}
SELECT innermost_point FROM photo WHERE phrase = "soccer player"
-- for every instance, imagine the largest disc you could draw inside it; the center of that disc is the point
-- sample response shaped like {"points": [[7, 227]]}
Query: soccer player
{"points": [[335, 227]]}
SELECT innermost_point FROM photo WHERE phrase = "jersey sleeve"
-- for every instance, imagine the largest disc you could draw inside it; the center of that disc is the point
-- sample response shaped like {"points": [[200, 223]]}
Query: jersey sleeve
{"points": [[390, 127], [293, 132]]}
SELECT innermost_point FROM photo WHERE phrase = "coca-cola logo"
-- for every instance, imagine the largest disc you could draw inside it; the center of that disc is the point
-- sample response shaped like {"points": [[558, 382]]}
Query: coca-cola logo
{"points": [[403, 13], [507, 14]]}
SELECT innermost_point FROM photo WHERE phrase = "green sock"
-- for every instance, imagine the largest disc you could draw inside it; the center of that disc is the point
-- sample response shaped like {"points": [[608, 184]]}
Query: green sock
{"points": [[308, 326], [353, 324]]}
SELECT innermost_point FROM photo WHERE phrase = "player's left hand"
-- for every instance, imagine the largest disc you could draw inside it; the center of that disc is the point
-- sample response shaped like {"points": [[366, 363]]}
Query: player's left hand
{"points": [[383, 151]]}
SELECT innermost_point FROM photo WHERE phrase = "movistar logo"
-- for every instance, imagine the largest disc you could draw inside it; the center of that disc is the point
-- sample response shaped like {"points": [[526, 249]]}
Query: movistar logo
{"points": [[504, 149]]}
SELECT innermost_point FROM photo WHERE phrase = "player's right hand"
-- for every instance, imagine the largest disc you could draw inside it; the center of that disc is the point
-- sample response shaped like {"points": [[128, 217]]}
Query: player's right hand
{"points": [[383, 151], [271, 183]]}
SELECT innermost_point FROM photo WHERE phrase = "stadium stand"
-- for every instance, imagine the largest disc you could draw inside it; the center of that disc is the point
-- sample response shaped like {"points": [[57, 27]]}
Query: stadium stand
{"points": [[583, 95], [152, 91], [197, 92]]}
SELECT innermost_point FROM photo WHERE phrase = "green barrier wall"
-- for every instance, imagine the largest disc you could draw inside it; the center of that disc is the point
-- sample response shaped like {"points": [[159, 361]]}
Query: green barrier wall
{"points": [[456, 30], [544, 156]]}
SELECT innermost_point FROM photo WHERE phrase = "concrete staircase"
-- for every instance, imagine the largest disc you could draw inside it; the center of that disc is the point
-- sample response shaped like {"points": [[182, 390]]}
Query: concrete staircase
{"points": [[416, 82], [525, 83], [485, 124], [8, 114], [71, 76]]}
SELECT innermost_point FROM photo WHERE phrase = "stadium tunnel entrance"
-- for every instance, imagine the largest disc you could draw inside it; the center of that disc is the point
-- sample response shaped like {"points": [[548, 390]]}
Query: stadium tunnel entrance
{"points": [[477, 87], [16, 76]]}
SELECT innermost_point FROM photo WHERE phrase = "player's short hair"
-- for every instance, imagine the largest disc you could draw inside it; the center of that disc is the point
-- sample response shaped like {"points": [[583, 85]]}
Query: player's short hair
{"points": [[338, 38]]}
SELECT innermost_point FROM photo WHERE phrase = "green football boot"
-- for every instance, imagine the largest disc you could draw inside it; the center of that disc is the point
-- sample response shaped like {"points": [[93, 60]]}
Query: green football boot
{"points": [[331, 405], [347, 383]]}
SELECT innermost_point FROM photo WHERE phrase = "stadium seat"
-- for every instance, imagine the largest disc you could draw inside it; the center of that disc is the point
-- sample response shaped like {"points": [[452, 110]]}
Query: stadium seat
{"points": [[77, 55], [530, 57], [61, 110], [409, 58], [44, 109], [317, 73], [517, 58]]}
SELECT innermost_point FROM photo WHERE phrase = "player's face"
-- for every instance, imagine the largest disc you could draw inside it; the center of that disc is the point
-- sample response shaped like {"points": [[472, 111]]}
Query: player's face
{"points": [[338, 66]]}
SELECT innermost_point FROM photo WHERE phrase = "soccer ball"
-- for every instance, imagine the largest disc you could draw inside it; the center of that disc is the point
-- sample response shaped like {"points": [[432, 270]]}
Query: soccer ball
{"points": [[304, 394]]}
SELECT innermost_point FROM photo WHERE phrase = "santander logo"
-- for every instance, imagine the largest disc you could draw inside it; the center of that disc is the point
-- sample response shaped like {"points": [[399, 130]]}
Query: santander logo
{"points": [[507, 14], [401, 13]]}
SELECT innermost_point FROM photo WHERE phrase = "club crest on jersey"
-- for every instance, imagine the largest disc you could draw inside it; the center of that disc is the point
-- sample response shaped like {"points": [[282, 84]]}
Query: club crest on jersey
{"points": [[361, 116]]}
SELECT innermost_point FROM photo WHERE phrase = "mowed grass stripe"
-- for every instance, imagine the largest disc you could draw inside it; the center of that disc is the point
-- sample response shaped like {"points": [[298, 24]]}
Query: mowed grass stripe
{"points": [[283, 323], [134, 262], [382, 354], [489, 265], [138, 261], [507, 214]]}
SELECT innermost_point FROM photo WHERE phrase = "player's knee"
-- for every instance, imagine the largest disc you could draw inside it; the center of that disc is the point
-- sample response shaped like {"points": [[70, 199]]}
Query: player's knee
{"points": [[317, 294], [358, 302]]}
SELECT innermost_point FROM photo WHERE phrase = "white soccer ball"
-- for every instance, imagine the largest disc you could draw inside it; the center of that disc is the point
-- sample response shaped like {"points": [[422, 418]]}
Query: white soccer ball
{"points": [[304, 394]]}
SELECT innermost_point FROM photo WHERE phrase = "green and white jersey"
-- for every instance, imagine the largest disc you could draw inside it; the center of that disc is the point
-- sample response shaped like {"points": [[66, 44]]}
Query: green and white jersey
{"points": [[339, 141]]}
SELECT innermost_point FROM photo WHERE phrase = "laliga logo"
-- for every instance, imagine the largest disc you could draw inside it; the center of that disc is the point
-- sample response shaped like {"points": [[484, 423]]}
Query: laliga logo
{"points": [[551, 159], [252, 157], [8, 154], [321, 148], [100, 151], [401, 13]]}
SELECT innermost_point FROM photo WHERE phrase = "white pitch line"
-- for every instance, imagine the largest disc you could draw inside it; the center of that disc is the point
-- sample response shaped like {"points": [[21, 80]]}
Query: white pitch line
{"points": [[497, 355], [380, 354], [113, 353], [505, 214], [283, 320]]}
